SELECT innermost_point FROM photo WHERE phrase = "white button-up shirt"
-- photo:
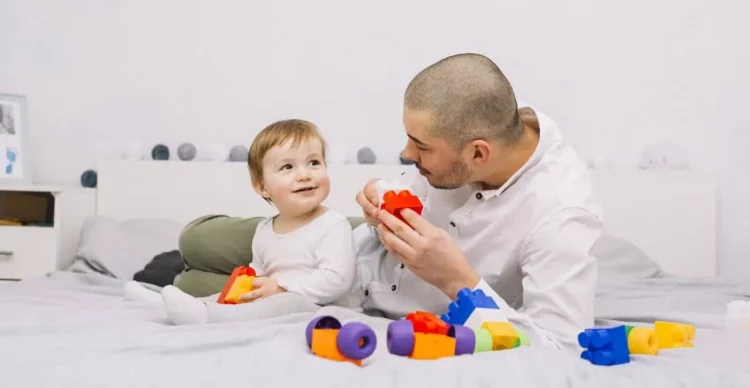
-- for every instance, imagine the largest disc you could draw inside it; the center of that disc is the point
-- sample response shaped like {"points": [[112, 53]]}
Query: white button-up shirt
{"points": [[530, 241]]}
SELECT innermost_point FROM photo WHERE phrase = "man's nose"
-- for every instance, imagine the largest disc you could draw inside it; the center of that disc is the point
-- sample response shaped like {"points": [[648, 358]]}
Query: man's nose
{"points": [[407, 157]]}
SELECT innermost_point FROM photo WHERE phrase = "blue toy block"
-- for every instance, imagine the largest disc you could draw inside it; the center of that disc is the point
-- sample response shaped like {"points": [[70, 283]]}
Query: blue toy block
{"points": [[605, 346], [465, 303]]}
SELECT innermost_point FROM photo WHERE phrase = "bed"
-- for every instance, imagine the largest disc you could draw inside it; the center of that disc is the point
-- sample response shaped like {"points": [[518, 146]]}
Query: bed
{"points": [[658, 262]]}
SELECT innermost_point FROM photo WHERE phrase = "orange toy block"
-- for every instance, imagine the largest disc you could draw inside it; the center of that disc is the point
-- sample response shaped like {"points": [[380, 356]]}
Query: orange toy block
{"points": [[674, 335], [394, 203], [240, 282], [324, 345], [432, 346]]}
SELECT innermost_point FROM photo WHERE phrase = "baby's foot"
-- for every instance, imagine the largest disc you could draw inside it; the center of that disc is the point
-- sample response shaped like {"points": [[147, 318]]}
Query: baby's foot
{"points": [[183, 309], [136, 292]]}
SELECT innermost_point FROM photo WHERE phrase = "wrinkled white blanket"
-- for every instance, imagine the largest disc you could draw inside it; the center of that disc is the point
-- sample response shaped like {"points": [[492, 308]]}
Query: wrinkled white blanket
{"points": [[74, 330]]}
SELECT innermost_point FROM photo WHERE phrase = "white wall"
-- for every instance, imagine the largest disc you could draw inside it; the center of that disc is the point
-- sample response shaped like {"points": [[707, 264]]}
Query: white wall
{"points": [[617, 76]]}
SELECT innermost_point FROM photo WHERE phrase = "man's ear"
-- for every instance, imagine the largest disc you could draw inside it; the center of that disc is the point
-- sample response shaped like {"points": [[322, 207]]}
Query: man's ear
{"points": [[481, 151]]}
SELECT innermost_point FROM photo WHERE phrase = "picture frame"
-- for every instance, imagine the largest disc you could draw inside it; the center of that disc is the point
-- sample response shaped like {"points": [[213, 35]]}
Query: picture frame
{"points": [[15, 161]]}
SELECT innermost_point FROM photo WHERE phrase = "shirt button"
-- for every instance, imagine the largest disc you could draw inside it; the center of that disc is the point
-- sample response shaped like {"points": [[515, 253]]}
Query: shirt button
{"points": [[453, 224], [402, 265], [479, 195], [367, 292], [393, 287]]}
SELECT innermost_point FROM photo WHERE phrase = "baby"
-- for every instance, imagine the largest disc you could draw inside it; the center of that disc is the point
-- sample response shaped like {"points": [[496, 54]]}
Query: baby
{"points": [[304, 256]]}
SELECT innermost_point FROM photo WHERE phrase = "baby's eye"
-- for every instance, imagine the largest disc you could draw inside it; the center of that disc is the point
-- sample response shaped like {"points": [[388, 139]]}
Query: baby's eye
{"points": [[315, 162], [286, 166]]}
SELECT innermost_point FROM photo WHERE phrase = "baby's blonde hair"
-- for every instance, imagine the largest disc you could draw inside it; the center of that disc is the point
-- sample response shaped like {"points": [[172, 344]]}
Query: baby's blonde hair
{"points": [[277, 134]]}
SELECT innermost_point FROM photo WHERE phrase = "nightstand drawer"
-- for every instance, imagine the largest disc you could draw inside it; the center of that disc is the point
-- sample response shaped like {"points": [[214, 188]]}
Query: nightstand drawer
{"points": [[27, 251]]}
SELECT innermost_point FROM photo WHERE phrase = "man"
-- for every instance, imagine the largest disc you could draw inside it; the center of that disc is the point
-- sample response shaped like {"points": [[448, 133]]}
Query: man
{"points": [[509, 209]]}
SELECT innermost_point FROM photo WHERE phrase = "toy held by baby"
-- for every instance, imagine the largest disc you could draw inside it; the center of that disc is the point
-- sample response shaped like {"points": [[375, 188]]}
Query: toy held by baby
{"points": [[240, 282]]}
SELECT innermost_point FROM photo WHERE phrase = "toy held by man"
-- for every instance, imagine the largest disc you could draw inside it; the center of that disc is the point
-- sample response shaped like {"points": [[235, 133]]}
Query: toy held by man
{"points": [[423, 336], [352, 342], [479, 312], [395, 197], [240, 282]]}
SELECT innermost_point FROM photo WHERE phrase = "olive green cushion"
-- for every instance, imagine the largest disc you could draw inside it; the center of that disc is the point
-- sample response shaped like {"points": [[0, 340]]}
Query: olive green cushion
{"points": [[212, 246]]}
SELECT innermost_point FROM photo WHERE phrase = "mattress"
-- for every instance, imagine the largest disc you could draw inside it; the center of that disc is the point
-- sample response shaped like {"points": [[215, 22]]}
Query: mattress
{"points": [[75, 330]]}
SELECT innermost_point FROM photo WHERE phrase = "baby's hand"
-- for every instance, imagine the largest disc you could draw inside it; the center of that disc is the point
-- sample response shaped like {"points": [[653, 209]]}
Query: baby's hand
{"points": [[264, 287]]}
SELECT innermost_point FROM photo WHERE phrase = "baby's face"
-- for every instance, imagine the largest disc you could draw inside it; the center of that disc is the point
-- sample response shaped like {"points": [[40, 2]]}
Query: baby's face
{"points": [[295, 178]]}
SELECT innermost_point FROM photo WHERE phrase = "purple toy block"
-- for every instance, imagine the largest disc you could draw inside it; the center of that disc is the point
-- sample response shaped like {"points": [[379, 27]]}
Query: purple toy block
{"points": [[605, 346], [465, 303]]}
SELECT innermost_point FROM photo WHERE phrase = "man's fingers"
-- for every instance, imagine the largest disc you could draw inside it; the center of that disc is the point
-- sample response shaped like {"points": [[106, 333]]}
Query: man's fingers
{"points": [[416, 221], [400, 229], [367, 205], [396, 246]]}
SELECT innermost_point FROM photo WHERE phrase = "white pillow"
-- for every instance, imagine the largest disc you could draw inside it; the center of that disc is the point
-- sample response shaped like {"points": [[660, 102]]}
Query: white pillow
{"points": [[122, 248], [620, 260]]}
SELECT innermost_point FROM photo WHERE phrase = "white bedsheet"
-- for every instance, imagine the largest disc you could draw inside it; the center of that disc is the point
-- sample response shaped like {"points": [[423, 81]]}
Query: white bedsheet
{"points": [[74, 330]]}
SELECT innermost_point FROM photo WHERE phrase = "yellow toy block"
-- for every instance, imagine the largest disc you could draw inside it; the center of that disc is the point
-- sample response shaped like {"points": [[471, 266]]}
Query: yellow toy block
{"points": [[642, 340], [504, 336], [242, 285], [674, 335]]}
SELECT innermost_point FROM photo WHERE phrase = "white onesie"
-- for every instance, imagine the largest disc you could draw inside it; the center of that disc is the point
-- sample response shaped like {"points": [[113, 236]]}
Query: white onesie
{"points": [[317, 261]]}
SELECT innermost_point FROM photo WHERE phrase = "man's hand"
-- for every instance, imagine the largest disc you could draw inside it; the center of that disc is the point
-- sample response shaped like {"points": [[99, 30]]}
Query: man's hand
{"points": [[368, 199], [429, 252], [264, 287]]}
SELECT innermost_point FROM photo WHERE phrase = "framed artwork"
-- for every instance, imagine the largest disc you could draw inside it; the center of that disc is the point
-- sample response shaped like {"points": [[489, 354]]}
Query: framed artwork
{"points": [[15, 163]]}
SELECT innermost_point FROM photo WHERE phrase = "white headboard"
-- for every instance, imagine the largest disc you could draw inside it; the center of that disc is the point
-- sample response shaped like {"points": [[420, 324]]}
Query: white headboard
{"points": [[670, 215]]}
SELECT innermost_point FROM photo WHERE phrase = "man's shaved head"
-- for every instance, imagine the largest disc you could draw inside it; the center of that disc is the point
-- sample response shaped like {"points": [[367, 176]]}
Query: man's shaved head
{"points": [[468, 98]]}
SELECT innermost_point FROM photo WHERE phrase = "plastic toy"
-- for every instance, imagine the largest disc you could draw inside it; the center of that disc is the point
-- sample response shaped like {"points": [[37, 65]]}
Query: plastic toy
{"points": [[674, 335], [394, 203], [642, 340], [423, 336], [605, 346], [395, 197], [478, 311], [352, 342], [240, 282]]}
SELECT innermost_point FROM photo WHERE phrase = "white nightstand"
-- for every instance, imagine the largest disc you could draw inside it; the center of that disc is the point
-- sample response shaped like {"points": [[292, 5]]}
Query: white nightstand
{"points": [[31, 247]]}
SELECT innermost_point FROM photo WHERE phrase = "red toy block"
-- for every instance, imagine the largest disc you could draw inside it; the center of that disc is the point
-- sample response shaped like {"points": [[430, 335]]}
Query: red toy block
{"points": [[232, 285], [424, 336], [394, 203], [424, 322]]}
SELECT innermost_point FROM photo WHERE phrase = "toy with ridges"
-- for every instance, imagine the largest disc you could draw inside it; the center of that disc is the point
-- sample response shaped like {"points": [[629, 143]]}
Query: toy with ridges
{"points": [[395, 197], [476, 310], [240, 282], [423, 336], [352, 342], [605, 346], [674, 335]]}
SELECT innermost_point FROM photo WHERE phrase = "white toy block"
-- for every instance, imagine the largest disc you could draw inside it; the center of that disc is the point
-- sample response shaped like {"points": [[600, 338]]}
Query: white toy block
{"points": [[482, 315]]}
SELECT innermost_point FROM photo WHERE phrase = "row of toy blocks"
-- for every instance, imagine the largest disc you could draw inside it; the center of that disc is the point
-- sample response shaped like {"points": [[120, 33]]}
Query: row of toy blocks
{"points": [[613, 346]]}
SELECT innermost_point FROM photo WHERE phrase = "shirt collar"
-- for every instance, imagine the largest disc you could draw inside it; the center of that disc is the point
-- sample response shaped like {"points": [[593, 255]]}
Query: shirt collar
{"points": [[547, 135]]}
